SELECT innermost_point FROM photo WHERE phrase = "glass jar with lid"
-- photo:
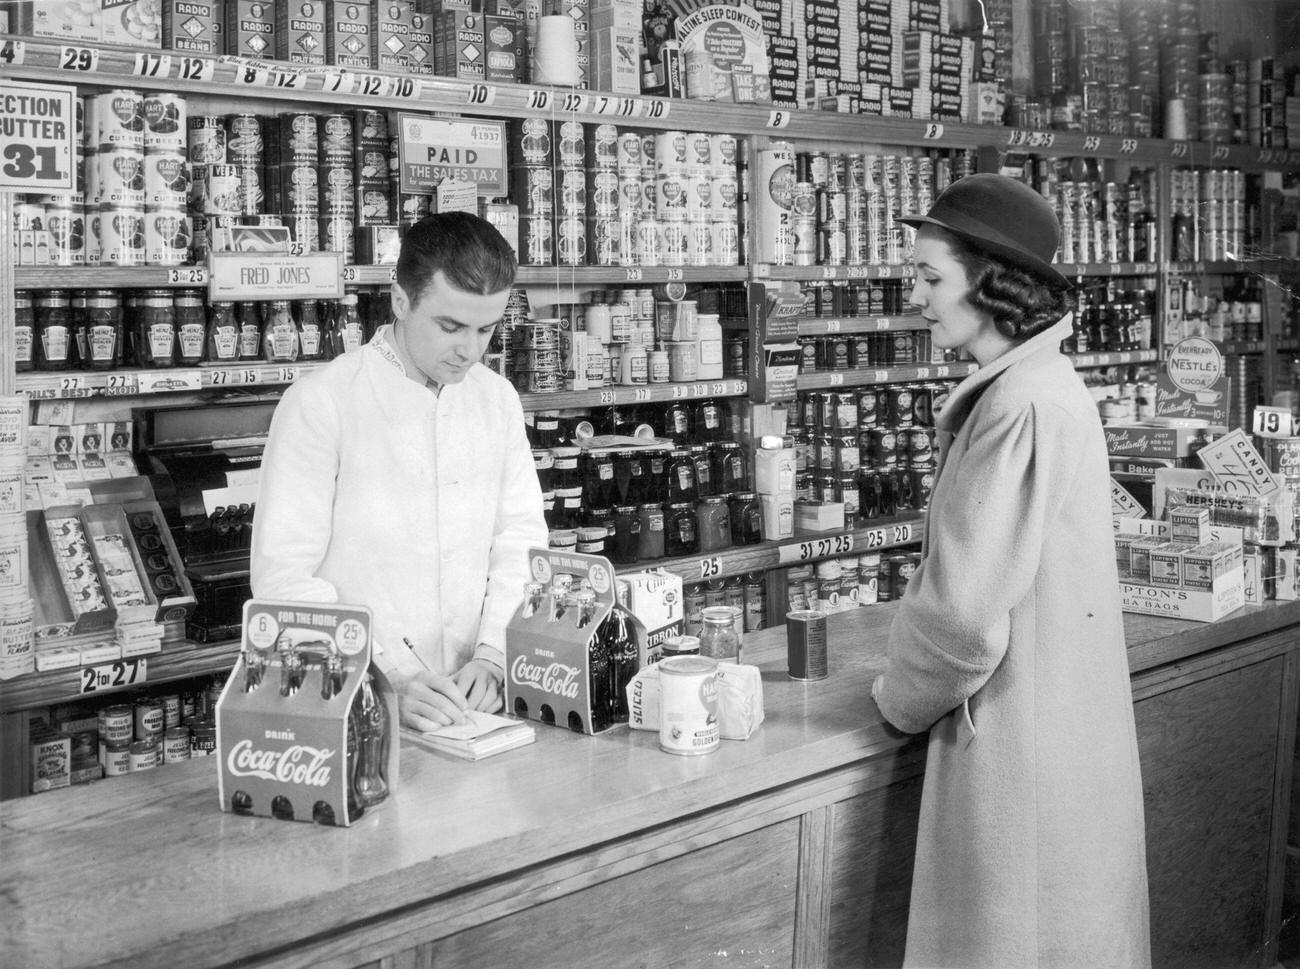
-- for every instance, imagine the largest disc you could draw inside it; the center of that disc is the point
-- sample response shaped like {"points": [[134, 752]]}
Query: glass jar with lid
{"points": [[720, 633], [650, 537], [155, 329], [707, 421], [627, 533], [746, 518], [249, 315], [191, 328], [567, 486], [24, 331], [680, 477], [679, 529], [598, 479], [101, 330], [704, 483], [730, 469], [53, 332], [713, 524]]}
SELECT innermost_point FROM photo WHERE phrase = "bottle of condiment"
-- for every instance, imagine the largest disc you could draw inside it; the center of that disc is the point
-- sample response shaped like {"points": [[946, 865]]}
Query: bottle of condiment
{"points": [[53, 340], [746, 518], [280, 334], [191, 330], [347, 332], [311, 335], [100, 340], [704, 483], [223, 333], [680, 476], [250, 330], [24, 331]]}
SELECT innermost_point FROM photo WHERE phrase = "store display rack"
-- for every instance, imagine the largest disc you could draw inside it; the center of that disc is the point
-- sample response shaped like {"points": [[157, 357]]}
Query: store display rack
{"points": [[184, 659]]}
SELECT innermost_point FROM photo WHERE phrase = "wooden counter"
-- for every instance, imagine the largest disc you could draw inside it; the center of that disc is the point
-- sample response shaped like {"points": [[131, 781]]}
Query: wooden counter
{"points": [[790, 849]]}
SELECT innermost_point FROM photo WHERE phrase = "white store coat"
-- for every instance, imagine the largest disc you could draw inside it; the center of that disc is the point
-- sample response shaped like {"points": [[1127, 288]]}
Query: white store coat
{"points": [[376, 491]]}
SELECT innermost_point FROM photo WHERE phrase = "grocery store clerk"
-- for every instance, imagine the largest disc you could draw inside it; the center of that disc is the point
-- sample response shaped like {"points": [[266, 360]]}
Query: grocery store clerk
{"points": [[399, 477]]}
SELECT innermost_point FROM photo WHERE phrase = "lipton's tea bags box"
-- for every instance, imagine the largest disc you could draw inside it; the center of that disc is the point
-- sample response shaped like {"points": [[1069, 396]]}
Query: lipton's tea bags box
{"points": [[305, 725]]}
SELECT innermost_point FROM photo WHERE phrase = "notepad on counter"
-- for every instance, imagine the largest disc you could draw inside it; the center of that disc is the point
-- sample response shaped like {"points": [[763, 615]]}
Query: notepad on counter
{"points": [[481, 735]]}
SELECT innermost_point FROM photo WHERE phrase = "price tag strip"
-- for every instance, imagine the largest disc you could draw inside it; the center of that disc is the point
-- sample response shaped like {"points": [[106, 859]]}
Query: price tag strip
{"points": [[115, 675]]}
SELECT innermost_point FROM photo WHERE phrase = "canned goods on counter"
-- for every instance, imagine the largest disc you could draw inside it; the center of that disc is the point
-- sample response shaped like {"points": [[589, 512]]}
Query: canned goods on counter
{"points": [[143, 755], [167, 237], [649, 196], [299, 134], [150, 718], [602, 147], [115, 756], [530, 141], [203, 738], [648, 243], [164, 122], [221, 195], [670, 196], [176, 745], [66, 226], [699, 244], [536, 241], [602, 193], [570, 138], [688, 717], [726, 244], [118, 119], [116, 724], [571, 242], [571, 193], [534, 191], [628, 151]]}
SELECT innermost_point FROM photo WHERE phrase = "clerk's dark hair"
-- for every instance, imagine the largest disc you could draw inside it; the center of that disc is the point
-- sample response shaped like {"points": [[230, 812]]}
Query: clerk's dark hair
{"points": [[1021, 303], [470, 253]]}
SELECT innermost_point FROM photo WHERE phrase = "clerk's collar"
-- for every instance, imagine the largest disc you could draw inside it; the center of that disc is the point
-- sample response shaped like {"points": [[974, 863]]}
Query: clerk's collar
{"points": [[389, 345]]}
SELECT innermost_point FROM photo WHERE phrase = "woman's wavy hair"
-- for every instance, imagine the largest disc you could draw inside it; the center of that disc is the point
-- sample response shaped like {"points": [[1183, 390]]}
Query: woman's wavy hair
{"points": [[1021, 303]]}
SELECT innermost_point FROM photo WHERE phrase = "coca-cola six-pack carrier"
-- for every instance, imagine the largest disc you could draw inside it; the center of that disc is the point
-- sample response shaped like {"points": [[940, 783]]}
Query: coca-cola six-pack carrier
{"points": [[305, 723], [557, 668]]}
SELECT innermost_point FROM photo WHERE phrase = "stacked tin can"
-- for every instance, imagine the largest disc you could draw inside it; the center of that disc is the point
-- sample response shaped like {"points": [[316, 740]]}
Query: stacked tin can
{"points": [[205, 147], [17, 653], [1208, 214], [570, 140], [338, 200], [605, 232], [167, 225], [532, 175], [245, 153], [296, 176], [374, 199]]}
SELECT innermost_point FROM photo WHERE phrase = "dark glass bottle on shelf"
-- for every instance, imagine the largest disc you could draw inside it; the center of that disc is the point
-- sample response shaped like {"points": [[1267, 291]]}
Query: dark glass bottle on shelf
{"points": [[155, 330], [100, 331], [677, 422], [598, 480], [705, 486], [680, 484]]}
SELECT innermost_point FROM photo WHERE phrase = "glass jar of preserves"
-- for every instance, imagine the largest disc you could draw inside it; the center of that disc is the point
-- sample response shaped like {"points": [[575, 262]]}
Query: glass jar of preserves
{"points": [[656, 476], [704, 483], [677, 422], [707, 421], [713, 524], [155, 329], [630, 477], [249, 315], [53, 333], [279, 334], [680, 477], [567, 486], [719, 633], [746, 518], [627, 532], [191, 328], [222, 343], [24, 331], [598, 480], [311, 334], [591, 539], [101, 330], [730, 469], [650, 539], [679, 529]]}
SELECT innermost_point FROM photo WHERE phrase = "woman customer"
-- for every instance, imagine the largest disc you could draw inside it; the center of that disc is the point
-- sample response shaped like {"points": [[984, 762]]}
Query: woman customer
{"points": [[1008, 645]]}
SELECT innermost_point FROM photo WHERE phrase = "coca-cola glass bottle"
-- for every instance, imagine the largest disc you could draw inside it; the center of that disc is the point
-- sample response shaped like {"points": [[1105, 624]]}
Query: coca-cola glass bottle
{"points": [[372, 745], [621, 646], [599, 662]]}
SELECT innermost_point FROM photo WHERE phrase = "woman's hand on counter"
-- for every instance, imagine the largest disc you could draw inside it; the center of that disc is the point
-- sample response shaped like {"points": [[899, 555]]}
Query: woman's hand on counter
{"points": [[480, 682]]}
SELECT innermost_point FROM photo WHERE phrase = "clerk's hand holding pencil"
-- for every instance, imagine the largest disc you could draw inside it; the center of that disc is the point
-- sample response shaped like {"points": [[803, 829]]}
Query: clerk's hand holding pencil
{"points": [[428, 700]]}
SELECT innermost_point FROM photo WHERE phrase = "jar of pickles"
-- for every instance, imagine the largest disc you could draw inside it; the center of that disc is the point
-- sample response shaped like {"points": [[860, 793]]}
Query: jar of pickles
{"points": [[53, 333], [191, 327], [100, 330], [155, 329], [679, 529], [746, 518], [681, 483], [730, 469]]}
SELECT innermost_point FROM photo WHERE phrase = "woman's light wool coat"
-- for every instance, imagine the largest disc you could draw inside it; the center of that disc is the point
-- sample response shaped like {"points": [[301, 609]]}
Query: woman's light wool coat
{"points": [[1009, 647]]}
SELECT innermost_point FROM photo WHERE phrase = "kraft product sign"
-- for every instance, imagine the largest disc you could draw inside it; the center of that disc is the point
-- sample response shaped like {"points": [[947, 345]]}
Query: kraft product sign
{"points": [[433, 149], [38, 126]]}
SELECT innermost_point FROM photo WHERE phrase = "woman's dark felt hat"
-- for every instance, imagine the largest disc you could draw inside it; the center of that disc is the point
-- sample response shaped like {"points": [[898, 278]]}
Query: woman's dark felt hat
{"points": [[1002, 216]]}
